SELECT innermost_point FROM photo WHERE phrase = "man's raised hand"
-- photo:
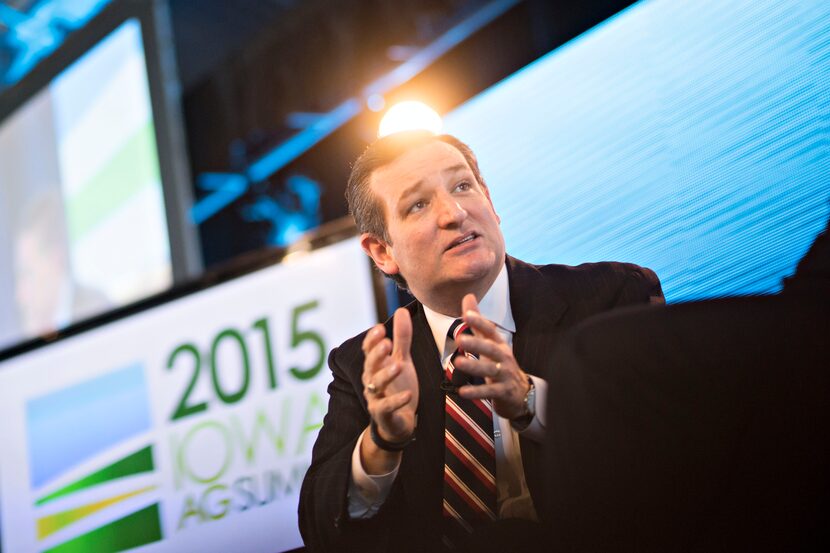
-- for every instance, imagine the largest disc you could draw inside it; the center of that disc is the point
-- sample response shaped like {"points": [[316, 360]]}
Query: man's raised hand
{"points": [[389, 379], [505, 383]]}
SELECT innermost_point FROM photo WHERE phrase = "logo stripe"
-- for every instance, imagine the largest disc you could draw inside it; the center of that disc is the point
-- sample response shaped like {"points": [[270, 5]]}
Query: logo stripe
{"points": [[50, 524]]}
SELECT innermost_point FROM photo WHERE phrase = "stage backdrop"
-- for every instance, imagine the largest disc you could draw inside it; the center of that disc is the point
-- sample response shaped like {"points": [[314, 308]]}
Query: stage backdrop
{"points": [[690, 137], [187, 427]]}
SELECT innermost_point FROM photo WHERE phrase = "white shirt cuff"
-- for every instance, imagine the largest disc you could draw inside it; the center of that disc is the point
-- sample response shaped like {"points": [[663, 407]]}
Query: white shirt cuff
{"points": [[367, 492]]}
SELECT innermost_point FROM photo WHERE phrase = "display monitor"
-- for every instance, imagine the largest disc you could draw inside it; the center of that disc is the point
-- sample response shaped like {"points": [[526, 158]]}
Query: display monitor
{"points": [[85, 224]]}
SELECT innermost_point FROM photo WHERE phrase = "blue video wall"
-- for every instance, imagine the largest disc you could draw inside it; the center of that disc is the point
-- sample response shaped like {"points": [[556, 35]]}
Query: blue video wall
{"points": [[689, 137]]}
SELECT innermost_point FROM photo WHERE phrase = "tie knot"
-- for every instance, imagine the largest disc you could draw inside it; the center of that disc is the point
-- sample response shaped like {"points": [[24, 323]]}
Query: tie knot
{"points": [[458, 327]]}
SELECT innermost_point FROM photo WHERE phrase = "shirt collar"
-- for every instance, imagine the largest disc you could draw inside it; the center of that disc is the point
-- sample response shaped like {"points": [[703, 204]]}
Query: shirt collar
{"points": [[495, 305]]}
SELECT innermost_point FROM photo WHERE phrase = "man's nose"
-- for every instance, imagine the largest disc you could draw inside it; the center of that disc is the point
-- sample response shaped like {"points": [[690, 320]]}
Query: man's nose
{"points": [[450, 212]]}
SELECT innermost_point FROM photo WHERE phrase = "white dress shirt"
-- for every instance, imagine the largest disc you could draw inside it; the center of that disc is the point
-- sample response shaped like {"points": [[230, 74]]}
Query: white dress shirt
{"points": [[367, 492]]}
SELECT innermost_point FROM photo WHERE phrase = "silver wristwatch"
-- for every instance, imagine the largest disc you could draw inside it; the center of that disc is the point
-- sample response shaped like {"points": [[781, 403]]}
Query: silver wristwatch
{"points": [[523, 421]]}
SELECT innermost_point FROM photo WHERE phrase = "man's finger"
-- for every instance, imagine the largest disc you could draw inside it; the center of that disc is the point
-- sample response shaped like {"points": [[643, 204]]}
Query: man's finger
{"points": [[385, 406], [479, 324], [469, 303], [483, 391], [402, 332], [483, 347], [482, 326], [382, 377], [477, 367], [376, 356], [375, 334]]}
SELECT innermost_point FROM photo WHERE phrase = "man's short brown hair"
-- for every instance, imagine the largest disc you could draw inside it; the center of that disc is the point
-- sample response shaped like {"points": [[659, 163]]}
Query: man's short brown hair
{"points": [[365, 208]]}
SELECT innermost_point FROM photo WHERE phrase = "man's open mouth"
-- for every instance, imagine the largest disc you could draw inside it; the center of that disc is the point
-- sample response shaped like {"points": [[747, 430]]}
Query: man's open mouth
{"points": [[470, 236]]}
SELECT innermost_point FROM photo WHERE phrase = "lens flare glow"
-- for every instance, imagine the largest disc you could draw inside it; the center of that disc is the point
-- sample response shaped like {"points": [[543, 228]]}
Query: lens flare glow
{"points": [[409, 116]]}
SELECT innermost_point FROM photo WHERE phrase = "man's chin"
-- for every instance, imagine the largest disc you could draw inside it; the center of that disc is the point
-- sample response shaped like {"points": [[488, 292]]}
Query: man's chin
{"points": [[475, 272]]}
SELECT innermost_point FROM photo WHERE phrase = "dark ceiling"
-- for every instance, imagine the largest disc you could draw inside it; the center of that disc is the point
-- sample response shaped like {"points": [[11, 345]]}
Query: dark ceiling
{"points": [[207, 32]]}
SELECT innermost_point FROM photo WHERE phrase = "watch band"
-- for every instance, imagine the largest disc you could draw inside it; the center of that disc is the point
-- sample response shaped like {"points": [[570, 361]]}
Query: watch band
{"points": [[523, 421], [384, 444]]}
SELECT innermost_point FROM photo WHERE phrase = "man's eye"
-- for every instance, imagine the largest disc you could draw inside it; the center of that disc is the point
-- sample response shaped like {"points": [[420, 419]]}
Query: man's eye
{"points": [[417, 206], [463, 186]]}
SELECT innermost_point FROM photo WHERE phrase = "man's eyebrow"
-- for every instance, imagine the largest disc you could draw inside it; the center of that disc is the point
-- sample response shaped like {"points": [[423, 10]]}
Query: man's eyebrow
{"points": [[457, 168], [413, 189]]}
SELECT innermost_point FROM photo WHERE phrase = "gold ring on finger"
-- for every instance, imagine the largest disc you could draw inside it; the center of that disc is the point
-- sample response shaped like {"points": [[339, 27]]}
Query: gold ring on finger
{"points": [[498, 366], [371, 388]]}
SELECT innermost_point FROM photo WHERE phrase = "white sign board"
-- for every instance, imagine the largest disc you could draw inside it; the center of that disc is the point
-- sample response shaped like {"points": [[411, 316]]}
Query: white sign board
{"points": [[187, 427]]}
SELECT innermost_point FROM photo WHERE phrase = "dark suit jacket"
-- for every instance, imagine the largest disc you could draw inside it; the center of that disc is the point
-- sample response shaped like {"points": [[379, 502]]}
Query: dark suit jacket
{"points": [[545, 300], [696, 427]]}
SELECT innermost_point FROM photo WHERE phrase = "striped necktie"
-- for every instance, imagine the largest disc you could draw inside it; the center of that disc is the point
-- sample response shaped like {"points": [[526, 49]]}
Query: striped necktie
{"points": [[469, 455]]}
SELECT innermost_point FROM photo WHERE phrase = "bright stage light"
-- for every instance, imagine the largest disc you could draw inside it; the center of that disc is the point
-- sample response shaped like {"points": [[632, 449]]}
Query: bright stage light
{"points": [[409, 116]]}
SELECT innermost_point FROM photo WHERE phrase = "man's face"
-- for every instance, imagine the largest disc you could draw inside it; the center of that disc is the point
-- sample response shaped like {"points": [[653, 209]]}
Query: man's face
{"points": [[443, 230]]}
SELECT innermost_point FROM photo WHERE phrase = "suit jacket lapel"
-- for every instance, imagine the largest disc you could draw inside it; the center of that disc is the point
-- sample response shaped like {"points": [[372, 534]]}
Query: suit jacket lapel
{"points": [[537, 310]]}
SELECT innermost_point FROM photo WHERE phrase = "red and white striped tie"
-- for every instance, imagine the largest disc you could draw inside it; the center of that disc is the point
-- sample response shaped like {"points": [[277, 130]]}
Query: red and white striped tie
{"points": [[469, 455]]}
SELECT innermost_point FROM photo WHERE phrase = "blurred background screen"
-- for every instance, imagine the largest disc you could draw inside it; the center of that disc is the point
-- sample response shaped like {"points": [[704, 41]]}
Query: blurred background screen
{"points": [[82, 215], [689, 137]]}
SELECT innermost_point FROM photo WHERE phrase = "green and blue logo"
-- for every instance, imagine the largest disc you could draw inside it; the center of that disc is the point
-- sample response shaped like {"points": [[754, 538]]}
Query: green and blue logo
{"points": [[116, 406]]}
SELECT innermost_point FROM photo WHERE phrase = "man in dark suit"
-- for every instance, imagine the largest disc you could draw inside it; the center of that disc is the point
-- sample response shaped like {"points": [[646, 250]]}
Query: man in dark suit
{"points": [[378, 479], [696, 427]]}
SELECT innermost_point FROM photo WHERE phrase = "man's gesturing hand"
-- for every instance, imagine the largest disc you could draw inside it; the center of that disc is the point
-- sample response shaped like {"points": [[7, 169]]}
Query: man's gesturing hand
{"points": [[505, 383], [389, 379]]}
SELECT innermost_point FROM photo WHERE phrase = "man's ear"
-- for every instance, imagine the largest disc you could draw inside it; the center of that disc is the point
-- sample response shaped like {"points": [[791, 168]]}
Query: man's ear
{"points": [[380, 252]]}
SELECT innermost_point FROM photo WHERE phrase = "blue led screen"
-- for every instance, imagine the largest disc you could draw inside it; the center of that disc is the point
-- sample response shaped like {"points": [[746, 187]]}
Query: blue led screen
{"points": [[689, 137]]}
